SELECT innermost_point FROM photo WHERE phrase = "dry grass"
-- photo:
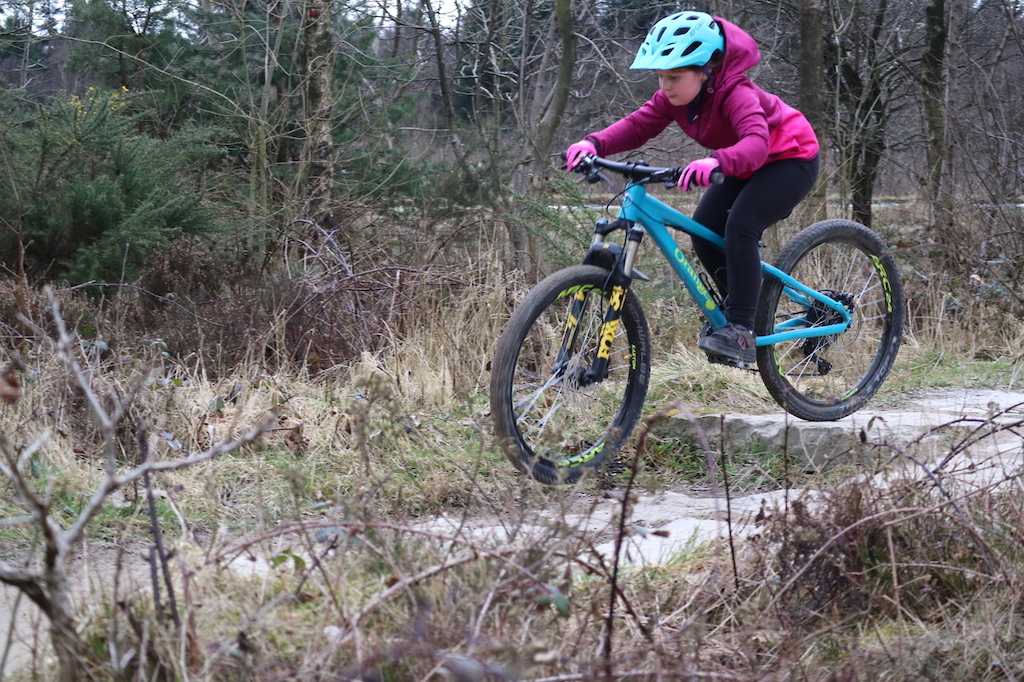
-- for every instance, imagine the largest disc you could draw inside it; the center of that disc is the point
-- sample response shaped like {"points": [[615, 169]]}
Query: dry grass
{"points": [[376, 533]]}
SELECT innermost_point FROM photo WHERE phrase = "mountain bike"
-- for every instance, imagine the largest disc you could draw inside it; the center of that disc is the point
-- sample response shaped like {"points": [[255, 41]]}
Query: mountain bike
{"points": [[572, 366]]}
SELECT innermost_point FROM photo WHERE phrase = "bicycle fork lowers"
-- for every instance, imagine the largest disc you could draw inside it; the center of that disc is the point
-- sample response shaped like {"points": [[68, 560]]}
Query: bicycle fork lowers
{"points": [[619, 262]]}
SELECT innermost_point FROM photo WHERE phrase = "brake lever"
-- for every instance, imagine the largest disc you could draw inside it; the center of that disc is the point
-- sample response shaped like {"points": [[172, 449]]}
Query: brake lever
{"points": [[671, 178], [599, 176]]}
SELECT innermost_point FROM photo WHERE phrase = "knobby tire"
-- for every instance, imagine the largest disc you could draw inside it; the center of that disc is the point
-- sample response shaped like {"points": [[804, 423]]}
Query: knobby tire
{"points": [[551, 423], [830, 377]]}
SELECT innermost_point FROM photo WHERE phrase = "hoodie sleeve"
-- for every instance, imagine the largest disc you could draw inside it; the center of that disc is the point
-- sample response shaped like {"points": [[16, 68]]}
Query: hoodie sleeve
{"points": [[743, 111], [635, 129]]}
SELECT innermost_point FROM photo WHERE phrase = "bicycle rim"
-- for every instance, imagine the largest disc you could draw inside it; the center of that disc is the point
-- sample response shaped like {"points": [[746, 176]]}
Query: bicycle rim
{"points": [[553, 422], [829, 377]]}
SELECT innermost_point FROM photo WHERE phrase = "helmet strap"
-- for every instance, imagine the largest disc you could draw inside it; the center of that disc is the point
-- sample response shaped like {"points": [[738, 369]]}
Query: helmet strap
{"points": [[706, 87], [693, 107]]}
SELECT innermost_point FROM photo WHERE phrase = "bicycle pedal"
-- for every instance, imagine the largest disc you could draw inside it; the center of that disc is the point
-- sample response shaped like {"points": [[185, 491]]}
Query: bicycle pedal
{"points": [[716, 359]]}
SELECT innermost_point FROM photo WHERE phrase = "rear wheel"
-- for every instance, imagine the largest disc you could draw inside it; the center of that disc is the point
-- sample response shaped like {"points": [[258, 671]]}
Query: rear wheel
{"points": [[829, 377], [554, 420]]}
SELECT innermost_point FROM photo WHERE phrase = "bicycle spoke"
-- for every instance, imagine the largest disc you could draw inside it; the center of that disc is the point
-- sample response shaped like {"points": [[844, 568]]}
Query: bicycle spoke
{"points": [[557, 416], [827, 377]]}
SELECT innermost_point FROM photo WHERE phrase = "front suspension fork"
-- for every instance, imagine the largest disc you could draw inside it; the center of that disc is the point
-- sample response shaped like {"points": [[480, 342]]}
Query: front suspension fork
{"points": [[619, 280]]}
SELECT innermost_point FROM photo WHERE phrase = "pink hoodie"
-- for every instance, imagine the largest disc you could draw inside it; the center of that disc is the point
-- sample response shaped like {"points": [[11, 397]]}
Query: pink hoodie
{"points": [[744, 125]]}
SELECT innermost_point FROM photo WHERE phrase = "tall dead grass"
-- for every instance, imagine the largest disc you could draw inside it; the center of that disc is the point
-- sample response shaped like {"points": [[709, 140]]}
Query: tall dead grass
{"points": [[900, 570], [374, 532]]}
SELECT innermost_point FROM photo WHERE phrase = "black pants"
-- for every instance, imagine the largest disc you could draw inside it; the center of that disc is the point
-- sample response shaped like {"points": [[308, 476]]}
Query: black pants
{"points": [[740, 211]]}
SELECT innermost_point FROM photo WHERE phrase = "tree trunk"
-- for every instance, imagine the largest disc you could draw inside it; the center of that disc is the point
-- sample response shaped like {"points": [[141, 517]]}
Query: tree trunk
{"points": [[67, 644], [550, 107], [864, 96], [51, 593], [555, 103], [863, 185], [934, 82], [812, 85], [317, 180]]}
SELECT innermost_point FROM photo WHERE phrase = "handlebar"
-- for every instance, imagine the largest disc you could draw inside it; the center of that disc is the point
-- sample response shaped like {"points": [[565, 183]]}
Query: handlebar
{"points": [[638, 171]]}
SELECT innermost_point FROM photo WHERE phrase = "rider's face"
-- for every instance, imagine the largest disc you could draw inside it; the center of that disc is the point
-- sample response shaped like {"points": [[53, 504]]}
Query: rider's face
{"points": [[681, 85]]}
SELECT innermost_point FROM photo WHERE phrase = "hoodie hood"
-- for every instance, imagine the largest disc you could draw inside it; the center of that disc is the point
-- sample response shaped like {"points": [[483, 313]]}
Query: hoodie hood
{"points": [[741, 51]]}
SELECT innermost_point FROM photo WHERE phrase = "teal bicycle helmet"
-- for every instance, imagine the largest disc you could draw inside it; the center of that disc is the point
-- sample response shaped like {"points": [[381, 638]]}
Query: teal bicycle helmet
{"points": [[680, 39]]}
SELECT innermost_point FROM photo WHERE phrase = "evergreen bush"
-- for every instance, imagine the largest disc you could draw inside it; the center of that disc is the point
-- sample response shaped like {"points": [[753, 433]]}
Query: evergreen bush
{"points": [[86, 197]]}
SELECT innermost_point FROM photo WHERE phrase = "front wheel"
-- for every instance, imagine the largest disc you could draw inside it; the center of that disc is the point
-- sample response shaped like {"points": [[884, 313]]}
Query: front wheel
{"points": [[553, 418], [829, 377]]}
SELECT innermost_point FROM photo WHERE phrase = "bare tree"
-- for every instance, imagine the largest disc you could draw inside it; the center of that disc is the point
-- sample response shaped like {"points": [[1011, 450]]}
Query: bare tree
{"points": [[444, 84], [541, 107], [46, 580], [868, 53], [508, 88], [974, 193]]}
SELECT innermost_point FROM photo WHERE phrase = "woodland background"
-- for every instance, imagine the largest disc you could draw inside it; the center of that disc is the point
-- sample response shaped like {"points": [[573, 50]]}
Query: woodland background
{"points": [[202, 154], [253, 259]]}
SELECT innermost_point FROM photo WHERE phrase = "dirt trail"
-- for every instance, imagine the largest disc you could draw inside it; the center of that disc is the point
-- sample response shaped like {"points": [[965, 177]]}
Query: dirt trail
{"points": [[930, 420], [102, 574]]}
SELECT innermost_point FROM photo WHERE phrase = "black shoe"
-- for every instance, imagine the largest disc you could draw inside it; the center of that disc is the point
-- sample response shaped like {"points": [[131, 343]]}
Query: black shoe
{"points": [[732, 341], [723, 305]]}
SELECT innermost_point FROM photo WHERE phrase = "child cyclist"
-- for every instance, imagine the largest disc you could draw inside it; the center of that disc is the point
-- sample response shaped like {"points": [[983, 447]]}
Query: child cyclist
{"points": [[766, 150]]}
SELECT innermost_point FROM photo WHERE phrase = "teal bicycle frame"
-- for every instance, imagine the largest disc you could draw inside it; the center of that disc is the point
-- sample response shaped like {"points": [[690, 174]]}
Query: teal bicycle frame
{"points": [[656, 217]]}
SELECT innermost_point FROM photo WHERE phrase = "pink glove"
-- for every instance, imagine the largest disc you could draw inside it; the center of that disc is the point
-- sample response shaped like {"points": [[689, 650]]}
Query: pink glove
{"points": [[699, 173], [576, 151]]}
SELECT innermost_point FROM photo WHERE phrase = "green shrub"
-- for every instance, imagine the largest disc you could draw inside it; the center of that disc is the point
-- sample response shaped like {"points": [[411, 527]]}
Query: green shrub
{"points": [[86, 197]]}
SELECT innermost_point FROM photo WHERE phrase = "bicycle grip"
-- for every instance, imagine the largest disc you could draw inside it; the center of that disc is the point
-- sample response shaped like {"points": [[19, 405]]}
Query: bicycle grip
{"points": [[717, 177]]}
